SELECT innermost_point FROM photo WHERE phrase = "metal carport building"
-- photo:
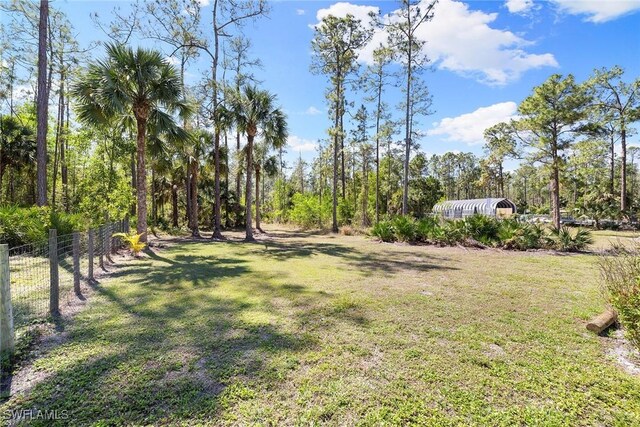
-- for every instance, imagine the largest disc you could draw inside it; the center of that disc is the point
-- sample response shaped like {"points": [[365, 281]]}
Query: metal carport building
{"points": [[494, 207]]}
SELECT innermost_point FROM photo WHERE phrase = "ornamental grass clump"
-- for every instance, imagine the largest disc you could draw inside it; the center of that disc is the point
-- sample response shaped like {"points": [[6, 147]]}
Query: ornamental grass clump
{"points": [[620, 272], [133, 242]]}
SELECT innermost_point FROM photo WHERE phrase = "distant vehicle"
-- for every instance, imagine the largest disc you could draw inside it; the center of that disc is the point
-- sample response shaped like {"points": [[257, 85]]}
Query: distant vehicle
{"points": [[536, 219]]}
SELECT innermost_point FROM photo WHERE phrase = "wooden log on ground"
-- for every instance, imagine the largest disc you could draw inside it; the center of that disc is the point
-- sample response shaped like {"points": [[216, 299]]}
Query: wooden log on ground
{"points": [[602, 321]]}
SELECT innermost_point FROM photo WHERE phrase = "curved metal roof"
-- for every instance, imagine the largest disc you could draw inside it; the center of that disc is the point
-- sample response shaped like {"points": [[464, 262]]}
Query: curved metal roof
{"points": [[479, 204]]}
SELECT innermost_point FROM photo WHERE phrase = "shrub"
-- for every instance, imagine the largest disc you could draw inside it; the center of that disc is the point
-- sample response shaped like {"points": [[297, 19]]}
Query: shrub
{"points": [[508, 233], [450, 232], [620, 273], [426, 229], [404, 228], [305, 211], [564, 241], [482, 228], [383, 230], [520, 236], [347, 230], [20, 226]]}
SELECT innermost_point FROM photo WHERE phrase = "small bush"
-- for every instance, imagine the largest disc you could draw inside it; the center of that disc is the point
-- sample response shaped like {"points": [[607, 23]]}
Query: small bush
{"points": [[21, 226], [520, 236], [564, 241], [133, 241], [426, 229], [404, 228], [347, 230], [482, 228], [620, 273], [383, 230], [450, 233], [307, 212]]}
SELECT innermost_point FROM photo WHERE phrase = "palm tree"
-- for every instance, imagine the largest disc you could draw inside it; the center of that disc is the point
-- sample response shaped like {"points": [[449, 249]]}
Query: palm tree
{"points": [[133, 82], [253, 110], [222, 120], [195, 152], [263, 164], [17, 146]]}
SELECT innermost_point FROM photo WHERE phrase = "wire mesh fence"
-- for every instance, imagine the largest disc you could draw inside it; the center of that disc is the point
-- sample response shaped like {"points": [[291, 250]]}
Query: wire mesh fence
{"points": [[44, 276], [29, 273]]}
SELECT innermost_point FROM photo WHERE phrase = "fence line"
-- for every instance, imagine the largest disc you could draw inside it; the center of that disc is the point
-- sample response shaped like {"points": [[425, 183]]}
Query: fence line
{"points": [[39, 276]]}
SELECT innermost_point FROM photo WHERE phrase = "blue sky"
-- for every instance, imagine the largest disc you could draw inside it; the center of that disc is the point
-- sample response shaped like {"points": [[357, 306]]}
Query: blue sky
{"points": [[487, 56]]}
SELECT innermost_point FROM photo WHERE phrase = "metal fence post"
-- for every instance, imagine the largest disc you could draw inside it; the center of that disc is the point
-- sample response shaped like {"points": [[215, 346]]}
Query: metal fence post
{"points": [[54, 288], [7, 344], [126, 224], [76, 262], [90, 254]]}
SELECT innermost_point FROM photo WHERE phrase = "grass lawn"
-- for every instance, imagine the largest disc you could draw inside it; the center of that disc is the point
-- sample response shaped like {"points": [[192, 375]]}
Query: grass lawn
{"points": [[603, 239], [336, 330]]}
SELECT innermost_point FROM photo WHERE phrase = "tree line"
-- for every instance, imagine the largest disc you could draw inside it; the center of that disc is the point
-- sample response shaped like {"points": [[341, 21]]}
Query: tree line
{"points": [[129, 135]]}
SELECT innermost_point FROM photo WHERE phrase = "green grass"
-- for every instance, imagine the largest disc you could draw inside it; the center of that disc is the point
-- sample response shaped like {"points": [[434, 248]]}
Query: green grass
{"points": [[603, 239], [341, 331]]}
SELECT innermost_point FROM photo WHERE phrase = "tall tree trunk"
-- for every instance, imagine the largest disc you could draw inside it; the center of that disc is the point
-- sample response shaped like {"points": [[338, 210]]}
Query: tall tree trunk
{"points": [[195, 232], [407, 150], [187, 184], [141, 179], [154, 201], [623, 170], [134, 183], [378, 113], [389, 160], [248, 201], [217, 232], [174, 206], [226, 181], [365, 192], [214, 78], [612, 172], [42, 106], [64, 149], [501, 174], [2, 171], [555, 191], [59, 124], [334, 224], [258, 200], [355, 184], [239, 174], [343, 176]]}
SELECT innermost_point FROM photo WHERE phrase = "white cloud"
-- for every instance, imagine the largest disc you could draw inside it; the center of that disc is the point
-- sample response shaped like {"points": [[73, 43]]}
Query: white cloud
{"points": [[519, 6], [297, 144], [173, 60], [342, 9], [469, 128], [312, 111], [204, 3], [460, 40], [22, 93], [300, 12], [598, 11]]}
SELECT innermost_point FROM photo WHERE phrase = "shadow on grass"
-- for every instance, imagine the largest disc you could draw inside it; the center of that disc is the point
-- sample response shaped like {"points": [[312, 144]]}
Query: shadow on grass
{"points": [[367, 263], [170, 346]]}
